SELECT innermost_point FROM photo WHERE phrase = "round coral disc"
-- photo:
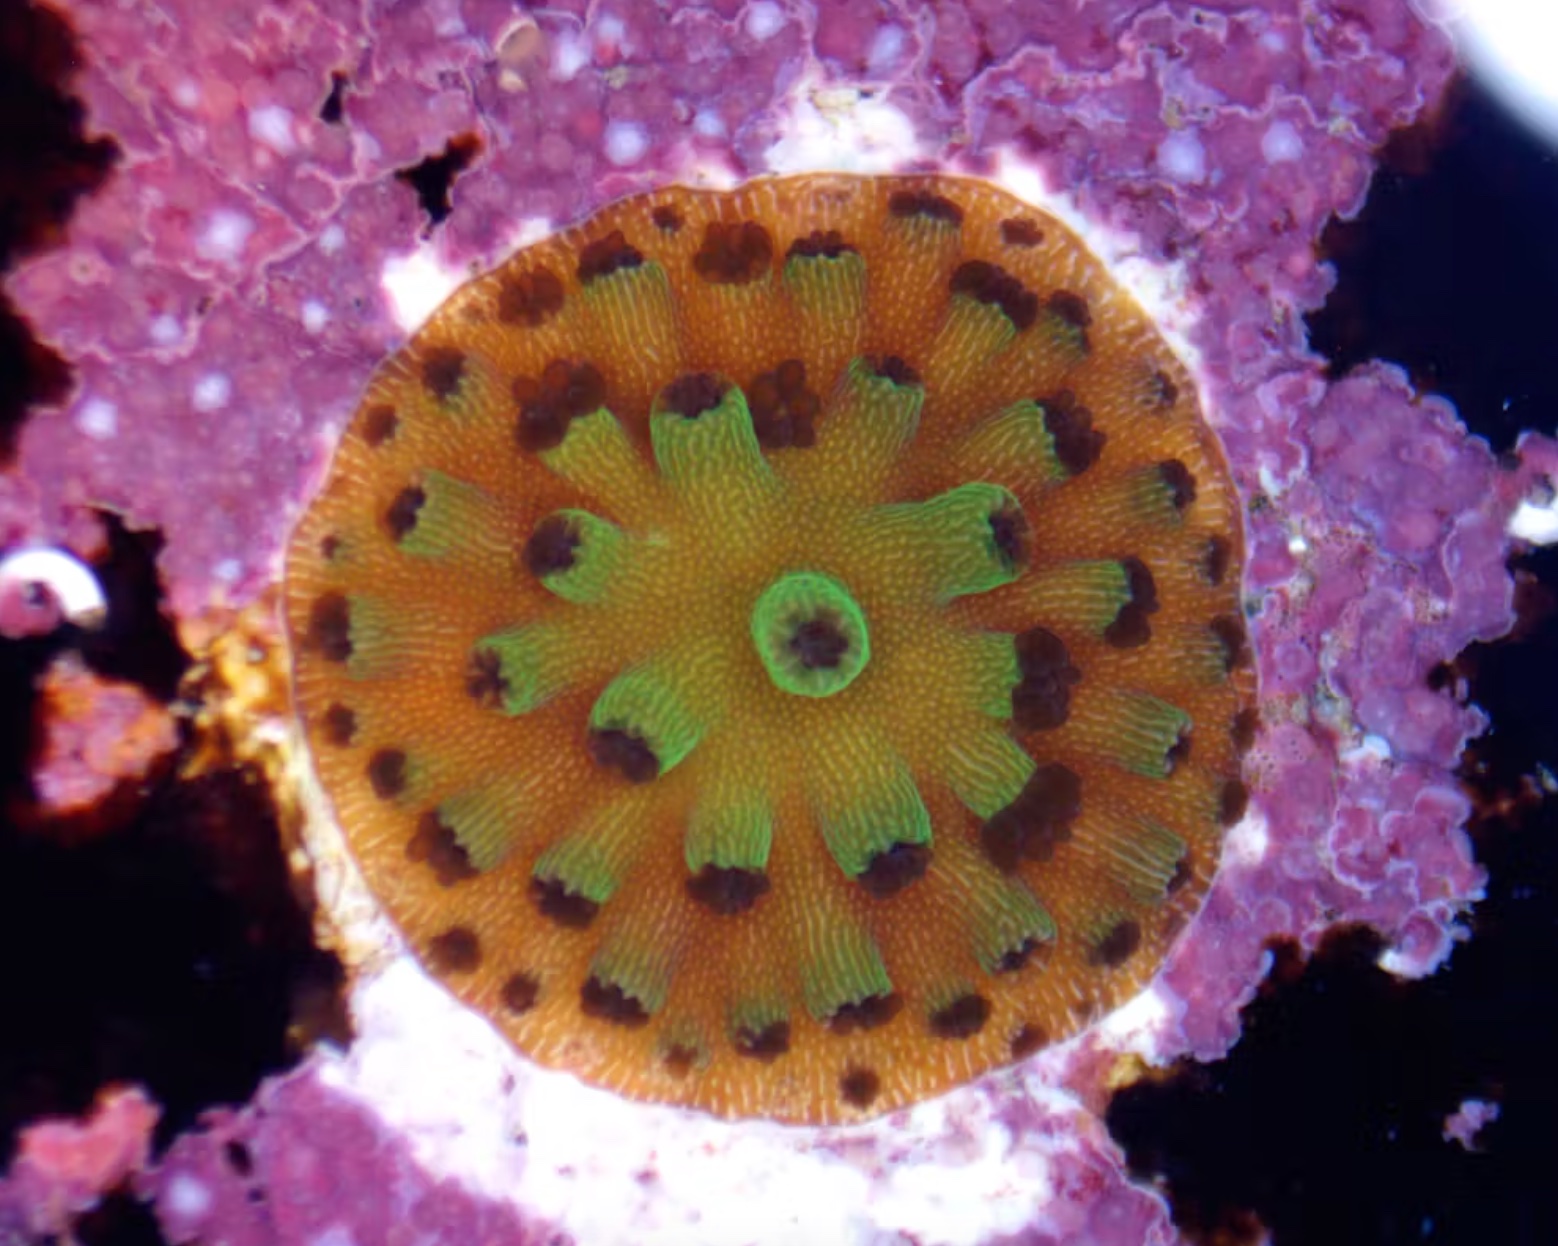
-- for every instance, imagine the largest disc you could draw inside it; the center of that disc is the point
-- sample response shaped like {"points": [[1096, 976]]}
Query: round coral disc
{"points": [[779, 651]]}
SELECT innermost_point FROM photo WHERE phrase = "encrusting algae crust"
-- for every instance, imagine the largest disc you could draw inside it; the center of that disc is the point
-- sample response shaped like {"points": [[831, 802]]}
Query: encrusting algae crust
{"points": [[779, 651]]}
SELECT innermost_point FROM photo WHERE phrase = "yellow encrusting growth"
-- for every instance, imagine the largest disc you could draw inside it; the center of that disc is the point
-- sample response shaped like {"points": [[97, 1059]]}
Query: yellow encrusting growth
{"points": [[779, 651]]}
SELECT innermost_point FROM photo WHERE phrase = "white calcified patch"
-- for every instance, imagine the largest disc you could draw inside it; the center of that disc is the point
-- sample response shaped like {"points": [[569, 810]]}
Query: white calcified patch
{"points": [[187, 1198], [314, 315], [570, 54], [98, 418], [271, 125], [165, 330], [764, 20], [886, 47], [1247, 843], [1535, 521], [1137, 1024], [947, 1171], [211, 392], [64, 577], [224, 236], [416, 285], [1281, 142], [1182, 158], [625, 142], [331, 239], [842, 128]]}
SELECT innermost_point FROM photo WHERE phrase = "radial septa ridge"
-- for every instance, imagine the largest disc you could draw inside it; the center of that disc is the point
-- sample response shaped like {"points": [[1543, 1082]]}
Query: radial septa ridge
{"points": [[787, 588]]}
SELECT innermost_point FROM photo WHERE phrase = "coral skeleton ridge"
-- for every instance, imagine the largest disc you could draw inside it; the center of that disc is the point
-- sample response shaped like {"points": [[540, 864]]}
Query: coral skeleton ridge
{"points": [[779, 651]]}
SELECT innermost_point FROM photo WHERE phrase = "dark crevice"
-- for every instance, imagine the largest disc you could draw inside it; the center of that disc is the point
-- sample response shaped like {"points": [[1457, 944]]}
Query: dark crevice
{"points": [[173, 954], [138, 642], [1324, 1124], [47, 163], [1450, 269], [435, 176], [333, 110]]}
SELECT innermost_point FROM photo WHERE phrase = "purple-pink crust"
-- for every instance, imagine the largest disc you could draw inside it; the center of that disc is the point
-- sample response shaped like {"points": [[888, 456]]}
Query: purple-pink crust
{"points": [[303, 1164], [221, 304]]}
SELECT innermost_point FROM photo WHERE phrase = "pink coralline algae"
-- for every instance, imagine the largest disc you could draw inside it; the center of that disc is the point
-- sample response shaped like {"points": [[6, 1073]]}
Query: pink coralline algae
{"points": [[225, 295], [63, 1167]]}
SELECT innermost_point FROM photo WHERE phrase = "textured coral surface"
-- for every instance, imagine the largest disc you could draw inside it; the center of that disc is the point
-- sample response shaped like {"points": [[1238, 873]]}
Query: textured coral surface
{"points": [[222, 301], [781, 652]]}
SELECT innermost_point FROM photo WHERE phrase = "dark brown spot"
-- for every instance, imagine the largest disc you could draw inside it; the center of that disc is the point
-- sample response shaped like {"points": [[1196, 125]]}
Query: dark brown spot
{"points": [[819, 643], [329, 632], [869, 1013], [962, 1018], [1010, 532], [734, 253], [457, 950], [1233, 639], [889, 872], [564, 391], [1117, 946], [551, 546], [1070, 426], [691, 395], [387, 773], [329, 547], [606, 1001], [1028, 1039], [727, 890], [1020, 956], [1039, 820], [766, 1044], [435, 845], [819, 244], [783, 408], [894, 369], [1161, 390], [530, 298], [1131, 628], [443, 367], [667, 218], [990, 283], [556, 902], [1019, 231], [339, 725], [401, 517], [607, 255], [1215, 559], [1232, 801], [924, 204], [860, 1087], [679, 1059], [379, 424], [1184, 871], [625, 751], [520, 993], [1178, 752], [1071, 309], [1245, 725], [485, 682], [1041, 701], [1181, 485]]}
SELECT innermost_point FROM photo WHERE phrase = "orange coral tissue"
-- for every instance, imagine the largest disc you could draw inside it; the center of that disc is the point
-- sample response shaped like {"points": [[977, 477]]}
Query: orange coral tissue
{"points": [[778, 651]]}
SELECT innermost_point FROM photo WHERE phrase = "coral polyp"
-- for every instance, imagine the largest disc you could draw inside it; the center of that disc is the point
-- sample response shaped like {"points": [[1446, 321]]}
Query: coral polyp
{"points": [[779, 651]]}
